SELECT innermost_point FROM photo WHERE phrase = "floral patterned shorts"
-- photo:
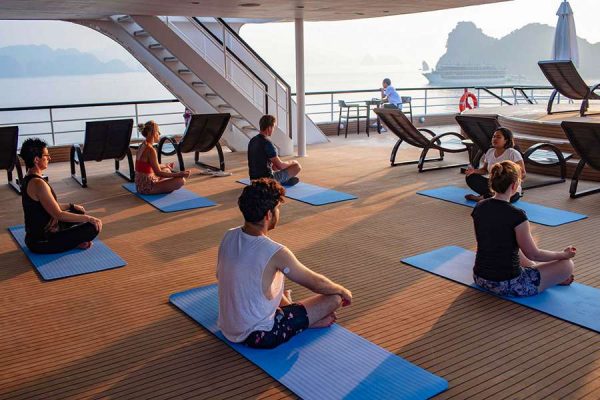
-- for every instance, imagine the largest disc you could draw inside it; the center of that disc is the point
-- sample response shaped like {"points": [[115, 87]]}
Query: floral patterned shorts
{"points": [[145, 182], [526, 284], [289, 321]]}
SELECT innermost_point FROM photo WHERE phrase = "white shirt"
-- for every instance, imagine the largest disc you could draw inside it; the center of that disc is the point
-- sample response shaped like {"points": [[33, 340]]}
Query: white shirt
{"points": [[243, 306], [509, 154]]}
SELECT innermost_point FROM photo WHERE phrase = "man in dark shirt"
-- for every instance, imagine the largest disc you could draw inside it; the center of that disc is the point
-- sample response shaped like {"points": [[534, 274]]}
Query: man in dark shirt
{"points": [[263, 161]]}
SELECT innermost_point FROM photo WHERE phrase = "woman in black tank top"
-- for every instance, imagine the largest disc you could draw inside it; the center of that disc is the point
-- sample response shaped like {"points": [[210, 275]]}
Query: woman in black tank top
{"points": [[508, 261], [51, 227]]}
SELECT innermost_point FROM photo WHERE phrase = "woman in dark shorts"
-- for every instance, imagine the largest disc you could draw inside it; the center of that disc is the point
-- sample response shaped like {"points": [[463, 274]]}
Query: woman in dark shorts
{"points": [[508, 261], [51, 227]]}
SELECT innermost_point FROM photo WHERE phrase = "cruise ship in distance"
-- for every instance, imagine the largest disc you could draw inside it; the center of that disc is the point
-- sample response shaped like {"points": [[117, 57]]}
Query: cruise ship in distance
{"points": [[458, 74]]}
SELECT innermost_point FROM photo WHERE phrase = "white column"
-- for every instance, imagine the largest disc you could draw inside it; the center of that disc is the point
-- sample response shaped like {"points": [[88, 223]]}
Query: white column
{"points": [[300, 101]]}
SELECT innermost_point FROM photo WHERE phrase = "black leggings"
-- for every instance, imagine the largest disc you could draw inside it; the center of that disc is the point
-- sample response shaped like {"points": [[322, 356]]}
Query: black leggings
{"points": [[68, 237], [479, 183]]}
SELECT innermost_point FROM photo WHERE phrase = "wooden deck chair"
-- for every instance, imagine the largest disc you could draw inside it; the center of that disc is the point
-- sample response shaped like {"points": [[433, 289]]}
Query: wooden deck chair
{"points": [[104, 140], [201, 135], [585, 139], [9, 160], [401, 126], [563, 76], [481, 128]]}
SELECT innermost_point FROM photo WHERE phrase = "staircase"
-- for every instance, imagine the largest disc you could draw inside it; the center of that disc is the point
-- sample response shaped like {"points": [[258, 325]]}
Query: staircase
{"points": [[210, 73]]}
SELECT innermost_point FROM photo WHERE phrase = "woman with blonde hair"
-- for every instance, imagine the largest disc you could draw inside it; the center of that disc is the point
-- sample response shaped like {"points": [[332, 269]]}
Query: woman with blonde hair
{"points": [[150, 176], [508, 261]]}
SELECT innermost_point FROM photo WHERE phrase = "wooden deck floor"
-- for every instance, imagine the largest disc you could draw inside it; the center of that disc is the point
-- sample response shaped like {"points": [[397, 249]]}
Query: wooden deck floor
{"points": [[113, 334]]}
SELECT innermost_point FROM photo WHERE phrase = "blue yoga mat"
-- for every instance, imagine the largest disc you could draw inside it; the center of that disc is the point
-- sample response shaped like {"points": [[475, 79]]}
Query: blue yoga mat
{"points": [[536, 213], [311, 194], [329, 363], [70, 263], [577, 303], [178, 200]]}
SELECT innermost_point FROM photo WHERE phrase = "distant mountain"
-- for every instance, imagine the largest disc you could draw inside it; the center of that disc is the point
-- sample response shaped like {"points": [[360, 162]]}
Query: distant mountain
{"points": [[518, 52], [32, 61]]}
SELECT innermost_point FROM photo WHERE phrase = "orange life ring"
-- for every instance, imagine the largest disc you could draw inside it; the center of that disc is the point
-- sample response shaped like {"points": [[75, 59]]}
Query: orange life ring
{"points": [[464, 101]]}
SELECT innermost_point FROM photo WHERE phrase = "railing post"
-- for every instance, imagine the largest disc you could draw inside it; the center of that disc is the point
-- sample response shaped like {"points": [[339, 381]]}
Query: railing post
{"points": [[52, 127], [137, 121], [501, 95], [224, 52], [331, 106], [425, 98]]}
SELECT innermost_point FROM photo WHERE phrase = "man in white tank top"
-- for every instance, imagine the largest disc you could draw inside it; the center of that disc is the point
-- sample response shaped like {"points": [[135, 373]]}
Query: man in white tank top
{"points": [[254, 308]]}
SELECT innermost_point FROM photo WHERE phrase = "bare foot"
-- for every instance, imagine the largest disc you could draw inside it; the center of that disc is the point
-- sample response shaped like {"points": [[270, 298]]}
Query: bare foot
{"points": [[85, 245], [567, 281], [288, 295], [325, 322], [473, 197]]}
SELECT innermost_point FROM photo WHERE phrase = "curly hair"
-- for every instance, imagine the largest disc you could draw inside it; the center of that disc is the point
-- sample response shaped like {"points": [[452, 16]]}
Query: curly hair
{"points": [[30, 149], [503, 175], [260, 196]]}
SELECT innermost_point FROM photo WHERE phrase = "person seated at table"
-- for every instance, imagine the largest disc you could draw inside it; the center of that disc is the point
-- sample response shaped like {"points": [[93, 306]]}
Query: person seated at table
{"points": [[263, 161], [254, 307], [508, 261], [51, 227], [150, 176], [502, 149], [390, 96]]}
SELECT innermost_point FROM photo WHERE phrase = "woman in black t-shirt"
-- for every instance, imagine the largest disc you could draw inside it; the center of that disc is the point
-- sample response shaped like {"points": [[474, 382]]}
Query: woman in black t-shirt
{"points": [[508, 262]]}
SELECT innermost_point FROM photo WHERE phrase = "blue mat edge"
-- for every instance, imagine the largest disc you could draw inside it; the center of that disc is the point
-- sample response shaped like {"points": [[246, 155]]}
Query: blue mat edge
{"points": [[486, 291], [422, 193], [227, 342], [62, 277], [446, 386], [351, 197], [136, 194]]}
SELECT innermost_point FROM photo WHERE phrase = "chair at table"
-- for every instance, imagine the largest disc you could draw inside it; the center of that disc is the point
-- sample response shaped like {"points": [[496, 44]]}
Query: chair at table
{"points": [[353, 112]]}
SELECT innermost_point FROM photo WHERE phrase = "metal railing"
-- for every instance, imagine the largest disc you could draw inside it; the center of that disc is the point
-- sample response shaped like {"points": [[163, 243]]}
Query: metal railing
{"points": [[65, 123], [323, 106]]}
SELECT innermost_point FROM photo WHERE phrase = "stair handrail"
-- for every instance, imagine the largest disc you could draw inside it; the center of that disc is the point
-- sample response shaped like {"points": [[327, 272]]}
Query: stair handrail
{"points": [[211, 37]]}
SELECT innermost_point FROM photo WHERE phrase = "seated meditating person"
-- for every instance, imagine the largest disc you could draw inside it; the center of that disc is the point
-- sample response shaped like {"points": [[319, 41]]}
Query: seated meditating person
{"points": [[502, 149], [51, 227], [150, 176], [508, 261], [254, 307], [263, 161]]}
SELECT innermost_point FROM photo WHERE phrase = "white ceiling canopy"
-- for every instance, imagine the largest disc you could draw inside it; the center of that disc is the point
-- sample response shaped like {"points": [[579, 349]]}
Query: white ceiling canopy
{"points": [[310, 10]]}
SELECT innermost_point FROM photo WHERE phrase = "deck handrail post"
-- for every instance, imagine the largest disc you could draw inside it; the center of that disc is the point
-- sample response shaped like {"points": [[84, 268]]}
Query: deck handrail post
{"points": [[52, 126]]}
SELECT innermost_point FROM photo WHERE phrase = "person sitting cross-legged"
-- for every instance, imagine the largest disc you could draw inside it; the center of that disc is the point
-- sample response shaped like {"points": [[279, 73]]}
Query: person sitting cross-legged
{"points": [[503, 144], [263, 161], [508, 261], [50, 226], [254, 307]]}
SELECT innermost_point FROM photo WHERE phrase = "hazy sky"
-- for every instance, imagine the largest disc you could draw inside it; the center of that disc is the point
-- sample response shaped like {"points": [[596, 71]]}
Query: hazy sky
{"points": [[407, 38]]}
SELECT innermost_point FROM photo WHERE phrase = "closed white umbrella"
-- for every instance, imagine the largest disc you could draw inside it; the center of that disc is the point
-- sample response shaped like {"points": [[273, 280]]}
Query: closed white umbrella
{"points": [[565, 37]]}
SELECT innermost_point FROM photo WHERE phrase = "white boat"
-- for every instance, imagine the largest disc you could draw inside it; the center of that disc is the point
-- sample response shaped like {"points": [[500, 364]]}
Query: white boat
{"points": [[469, 74]]}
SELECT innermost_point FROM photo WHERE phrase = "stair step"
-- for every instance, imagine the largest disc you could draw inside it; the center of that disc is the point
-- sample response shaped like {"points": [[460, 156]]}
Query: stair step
{"points": [[169, 59], [155, 46], [124, 18], [249, 128], [224, 107], [198, 84], [140, 33], [213, 95], [184, 71]]}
